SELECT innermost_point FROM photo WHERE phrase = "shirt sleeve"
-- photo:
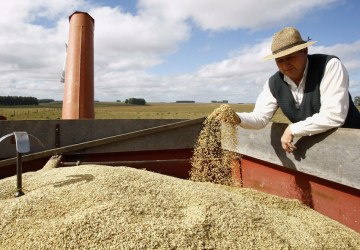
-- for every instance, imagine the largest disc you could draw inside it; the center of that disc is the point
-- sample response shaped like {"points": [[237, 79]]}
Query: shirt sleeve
{"points": [[264, 109], [334, 98]]}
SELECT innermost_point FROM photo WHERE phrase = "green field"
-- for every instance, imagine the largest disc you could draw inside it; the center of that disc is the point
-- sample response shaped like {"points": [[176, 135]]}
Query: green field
{"points": [[114, 110]]}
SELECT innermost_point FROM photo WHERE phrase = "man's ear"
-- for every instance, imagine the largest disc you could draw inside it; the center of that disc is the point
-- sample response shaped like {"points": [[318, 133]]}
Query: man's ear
{"points": [[306, 51]]}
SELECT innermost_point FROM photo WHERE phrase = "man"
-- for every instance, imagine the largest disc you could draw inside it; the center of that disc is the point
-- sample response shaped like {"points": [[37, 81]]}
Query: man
{"points": [[311, 90]]}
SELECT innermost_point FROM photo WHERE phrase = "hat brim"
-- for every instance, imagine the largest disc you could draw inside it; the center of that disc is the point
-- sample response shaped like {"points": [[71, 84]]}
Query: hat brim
{"points": [[289, 50]]}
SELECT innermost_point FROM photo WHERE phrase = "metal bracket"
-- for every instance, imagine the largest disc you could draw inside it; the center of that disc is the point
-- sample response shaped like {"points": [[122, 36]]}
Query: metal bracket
{"points": [[22, 142], [57, 135], [22, 146]]}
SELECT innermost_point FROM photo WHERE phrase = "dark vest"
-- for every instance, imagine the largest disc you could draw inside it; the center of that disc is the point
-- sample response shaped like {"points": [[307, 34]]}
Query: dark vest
{"points": [[310, 104]]}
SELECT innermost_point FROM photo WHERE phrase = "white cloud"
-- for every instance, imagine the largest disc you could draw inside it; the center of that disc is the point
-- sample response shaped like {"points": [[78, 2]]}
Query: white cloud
{"points": [[349, 54], [127, 45], [238, 79], [232, 14], [124, 41]]}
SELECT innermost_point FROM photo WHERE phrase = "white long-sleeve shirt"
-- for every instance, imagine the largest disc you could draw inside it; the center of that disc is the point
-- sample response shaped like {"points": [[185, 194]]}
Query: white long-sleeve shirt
{"points": [[334, 99]]}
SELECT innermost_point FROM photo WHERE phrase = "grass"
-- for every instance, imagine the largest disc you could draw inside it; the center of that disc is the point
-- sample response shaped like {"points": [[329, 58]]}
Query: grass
{"points": [[114, 110]]}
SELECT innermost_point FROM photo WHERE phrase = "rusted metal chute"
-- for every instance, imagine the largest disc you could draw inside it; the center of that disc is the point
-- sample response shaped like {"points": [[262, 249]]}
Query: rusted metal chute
{"points": [[78, 102]]}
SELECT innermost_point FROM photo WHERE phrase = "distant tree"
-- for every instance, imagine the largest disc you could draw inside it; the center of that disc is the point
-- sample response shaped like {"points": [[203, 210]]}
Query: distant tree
{"points": [[46, 100], [185, 101], [136, 101], [357, 100]]}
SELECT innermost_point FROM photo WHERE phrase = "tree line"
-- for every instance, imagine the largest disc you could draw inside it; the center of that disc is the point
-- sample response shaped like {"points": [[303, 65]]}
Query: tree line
{"points": [[18, 100], [23, 100]]}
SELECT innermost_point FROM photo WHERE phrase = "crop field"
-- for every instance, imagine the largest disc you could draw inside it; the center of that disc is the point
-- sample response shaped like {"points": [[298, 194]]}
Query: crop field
{"points": [[114, 110]]}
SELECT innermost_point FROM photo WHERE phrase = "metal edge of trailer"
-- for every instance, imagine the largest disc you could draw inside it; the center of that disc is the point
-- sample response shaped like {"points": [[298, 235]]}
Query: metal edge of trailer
{"points": [[137, 143], [323, 172]]}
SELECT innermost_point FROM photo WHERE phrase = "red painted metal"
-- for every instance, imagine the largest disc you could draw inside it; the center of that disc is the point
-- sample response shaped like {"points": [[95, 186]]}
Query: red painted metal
{"points": [[179, 169], [339, 202], [78, 100], [28, 166]]}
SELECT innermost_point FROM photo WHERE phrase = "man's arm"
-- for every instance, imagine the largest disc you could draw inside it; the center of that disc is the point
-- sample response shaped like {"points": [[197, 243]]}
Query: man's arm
{"points": [[264, 109]]}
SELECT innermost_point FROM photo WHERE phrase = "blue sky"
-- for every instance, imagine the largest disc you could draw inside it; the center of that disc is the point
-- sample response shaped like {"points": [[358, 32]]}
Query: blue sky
{"points": [[164, 51]]}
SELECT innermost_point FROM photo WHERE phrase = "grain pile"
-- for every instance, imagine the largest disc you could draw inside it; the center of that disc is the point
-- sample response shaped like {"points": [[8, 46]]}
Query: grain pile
{"points": [[102, 207], [210, 163]]}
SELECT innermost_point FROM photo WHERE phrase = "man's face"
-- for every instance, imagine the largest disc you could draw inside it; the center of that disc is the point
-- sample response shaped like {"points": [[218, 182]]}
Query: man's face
{"points": [[293, 65]]}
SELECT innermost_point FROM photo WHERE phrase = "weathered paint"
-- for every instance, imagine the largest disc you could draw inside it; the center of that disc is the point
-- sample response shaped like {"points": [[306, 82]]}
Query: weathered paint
{"points": [[339, 202]]}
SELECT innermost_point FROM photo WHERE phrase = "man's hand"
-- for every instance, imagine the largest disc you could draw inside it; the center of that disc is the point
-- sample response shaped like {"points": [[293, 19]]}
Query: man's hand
{"points": [[286, 141], [226, 114], [233, 118]]}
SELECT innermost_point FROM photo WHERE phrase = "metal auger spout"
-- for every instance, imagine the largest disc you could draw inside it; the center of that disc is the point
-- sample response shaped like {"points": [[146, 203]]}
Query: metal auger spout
{"points": [[22, 146], [78, 100]]}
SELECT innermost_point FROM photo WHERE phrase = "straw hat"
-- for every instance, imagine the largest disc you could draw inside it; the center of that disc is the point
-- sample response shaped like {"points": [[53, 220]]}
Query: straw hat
{"points": [[287, 41]]}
